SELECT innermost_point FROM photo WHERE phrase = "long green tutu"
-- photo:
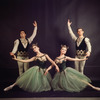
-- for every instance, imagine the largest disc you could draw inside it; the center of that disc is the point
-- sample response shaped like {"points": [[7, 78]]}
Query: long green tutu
{"points": [[69, 80], [34, 80]]}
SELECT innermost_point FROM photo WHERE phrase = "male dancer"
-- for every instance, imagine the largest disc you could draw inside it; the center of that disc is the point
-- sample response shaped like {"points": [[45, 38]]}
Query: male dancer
{"points": [[81, 43], [21, 46]]}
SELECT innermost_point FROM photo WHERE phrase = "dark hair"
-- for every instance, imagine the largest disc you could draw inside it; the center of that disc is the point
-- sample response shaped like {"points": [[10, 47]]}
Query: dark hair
{"points": [[79, 28], [64, 46], [21, 31]]}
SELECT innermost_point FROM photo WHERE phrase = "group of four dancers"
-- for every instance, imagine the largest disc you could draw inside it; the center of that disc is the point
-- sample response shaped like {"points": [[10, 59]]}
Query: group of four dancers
{"points": [[38, 78]]}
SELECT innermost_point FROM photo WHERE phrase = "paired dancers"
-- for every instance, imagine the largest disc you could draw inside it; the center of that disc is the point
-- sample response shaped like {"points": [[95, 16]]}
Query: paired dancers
{"points": [[34, 80], [38, 79]]}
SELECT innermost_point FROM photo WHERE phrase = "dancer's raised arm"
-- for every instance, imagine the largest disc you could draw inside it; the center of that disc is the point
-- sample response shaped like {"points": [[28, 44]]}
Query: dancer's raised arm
{"points": [[34, 32], [70, 30]]}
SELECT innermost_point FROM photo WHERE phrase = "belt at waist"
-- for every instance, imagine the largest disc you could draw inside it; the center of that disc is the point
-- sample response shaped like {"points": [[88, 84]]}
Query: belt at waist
{"points": [[22, 53], [80, 52]]}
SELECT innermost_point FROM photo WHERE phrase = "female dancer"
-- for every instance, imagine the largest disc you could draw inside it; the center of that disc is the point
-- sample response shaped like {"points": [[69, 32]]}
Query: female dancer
{"points": [[68, 79], [34, 80]]}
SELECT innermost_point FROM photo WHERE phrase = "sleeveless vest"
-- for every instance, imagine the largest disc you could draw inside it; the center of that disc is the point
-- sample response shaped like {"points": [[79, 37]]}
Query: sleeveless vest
{"points": [[21, 47], [82, 45]]}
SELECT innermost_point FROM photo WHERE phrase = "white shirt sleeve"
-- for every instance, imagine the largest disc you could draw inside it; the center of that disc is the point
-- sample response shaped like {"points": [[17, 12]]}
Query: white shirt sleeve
{"points": [[73, 36], [30, 39], [87, 41], [15, 48]]}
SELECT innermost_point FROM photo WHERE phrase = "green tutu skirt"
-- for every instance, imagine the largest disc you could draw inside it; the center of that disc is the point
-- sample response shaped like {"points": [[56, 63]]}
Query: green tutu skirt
{"points": [[34, 80], [69, 80]]}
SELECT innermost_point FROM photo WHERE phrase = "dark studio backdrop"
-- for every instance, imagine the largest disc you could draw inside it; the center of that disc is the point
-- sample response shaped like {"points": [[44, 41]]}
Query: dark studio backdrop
{"points": [[51, 17]]}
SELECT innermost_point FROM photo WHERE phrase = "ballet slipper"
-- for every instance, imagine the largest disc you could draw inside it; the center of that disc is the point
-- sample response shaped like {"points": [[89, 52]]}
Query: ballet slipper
{"points": [[8, 88], [96, 88]]}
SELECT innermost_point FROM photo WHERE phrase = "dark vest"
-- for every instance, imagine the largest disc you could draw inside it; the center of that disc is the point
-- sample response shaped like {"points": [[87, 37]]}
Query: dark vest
{"points": [[82, 46], [21, 48]]}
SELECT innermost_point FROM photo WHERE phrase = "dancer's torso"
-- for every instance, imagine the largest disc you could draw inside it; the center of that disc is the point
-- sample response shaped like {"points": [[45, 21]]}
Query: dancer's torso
{"points": [[61, 62], [41, 61]]}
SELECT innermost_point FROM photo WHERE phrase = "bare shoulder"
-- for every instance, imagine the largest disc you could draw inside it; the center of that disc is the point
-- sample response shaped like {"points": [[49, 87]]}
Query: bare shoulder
{"points": [[58, 57], [67, 57], [46, 55]]}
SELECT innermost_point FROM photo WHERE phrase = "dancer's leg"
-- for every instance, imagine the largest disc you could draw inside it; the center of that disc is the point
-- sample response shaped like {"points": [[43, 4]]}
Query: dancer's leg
{"points": [[96, 88], [26, 65], [9, 87], [76, 64]]}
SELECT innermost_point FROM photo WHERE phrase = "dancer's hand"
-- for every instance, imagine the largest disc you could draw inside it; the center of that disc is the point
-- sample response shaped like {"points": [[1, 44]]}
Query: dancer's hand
{"points": [[35, 23], [14, 57], [11, 54], [57, 68], [46, 72], [69, 23], [87, 54]]}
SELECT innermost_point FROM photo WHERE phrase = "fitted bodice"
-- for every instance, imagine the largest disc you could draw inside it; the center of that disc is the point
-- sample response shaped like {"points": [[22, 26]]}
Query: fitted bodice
{"points": [[61, 62], [41, 61]]}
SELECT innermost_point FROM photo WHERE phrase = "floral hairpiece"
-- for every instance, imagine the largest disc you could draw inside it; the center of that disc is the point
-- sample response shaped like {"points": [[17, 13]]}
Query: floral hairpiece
{"points": [[35, 44], [64, 46]]}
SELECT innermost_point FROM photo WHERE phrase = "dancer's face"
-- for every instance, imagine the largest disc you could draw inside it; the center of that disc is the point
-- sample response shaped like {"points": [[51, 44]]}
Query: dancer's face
{"points": [[80, 32], [22, 34], [63, 50], [35, 48]]}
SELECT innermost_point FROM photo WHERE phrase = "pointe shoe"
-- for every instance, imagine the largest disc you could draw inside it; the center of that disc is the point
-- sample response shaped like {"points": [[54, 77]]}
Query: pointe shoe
{"points": [[8, 88], [97, 88]]}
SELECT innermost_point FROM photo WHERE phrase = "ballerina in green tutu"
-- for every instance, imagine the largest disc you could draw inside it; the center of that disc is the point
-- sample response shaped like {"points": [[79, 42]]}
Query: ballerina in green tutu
{"points": [[68, 79], [34, 80]]}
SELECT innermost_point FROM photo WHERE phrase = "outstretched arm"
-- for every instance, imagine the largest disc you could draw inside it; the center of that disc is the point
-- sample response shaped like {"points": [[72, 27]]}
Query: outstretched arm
{"points": [[70, 30], [25, 61], [30, 39], [53, 63], [75, 59]]}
